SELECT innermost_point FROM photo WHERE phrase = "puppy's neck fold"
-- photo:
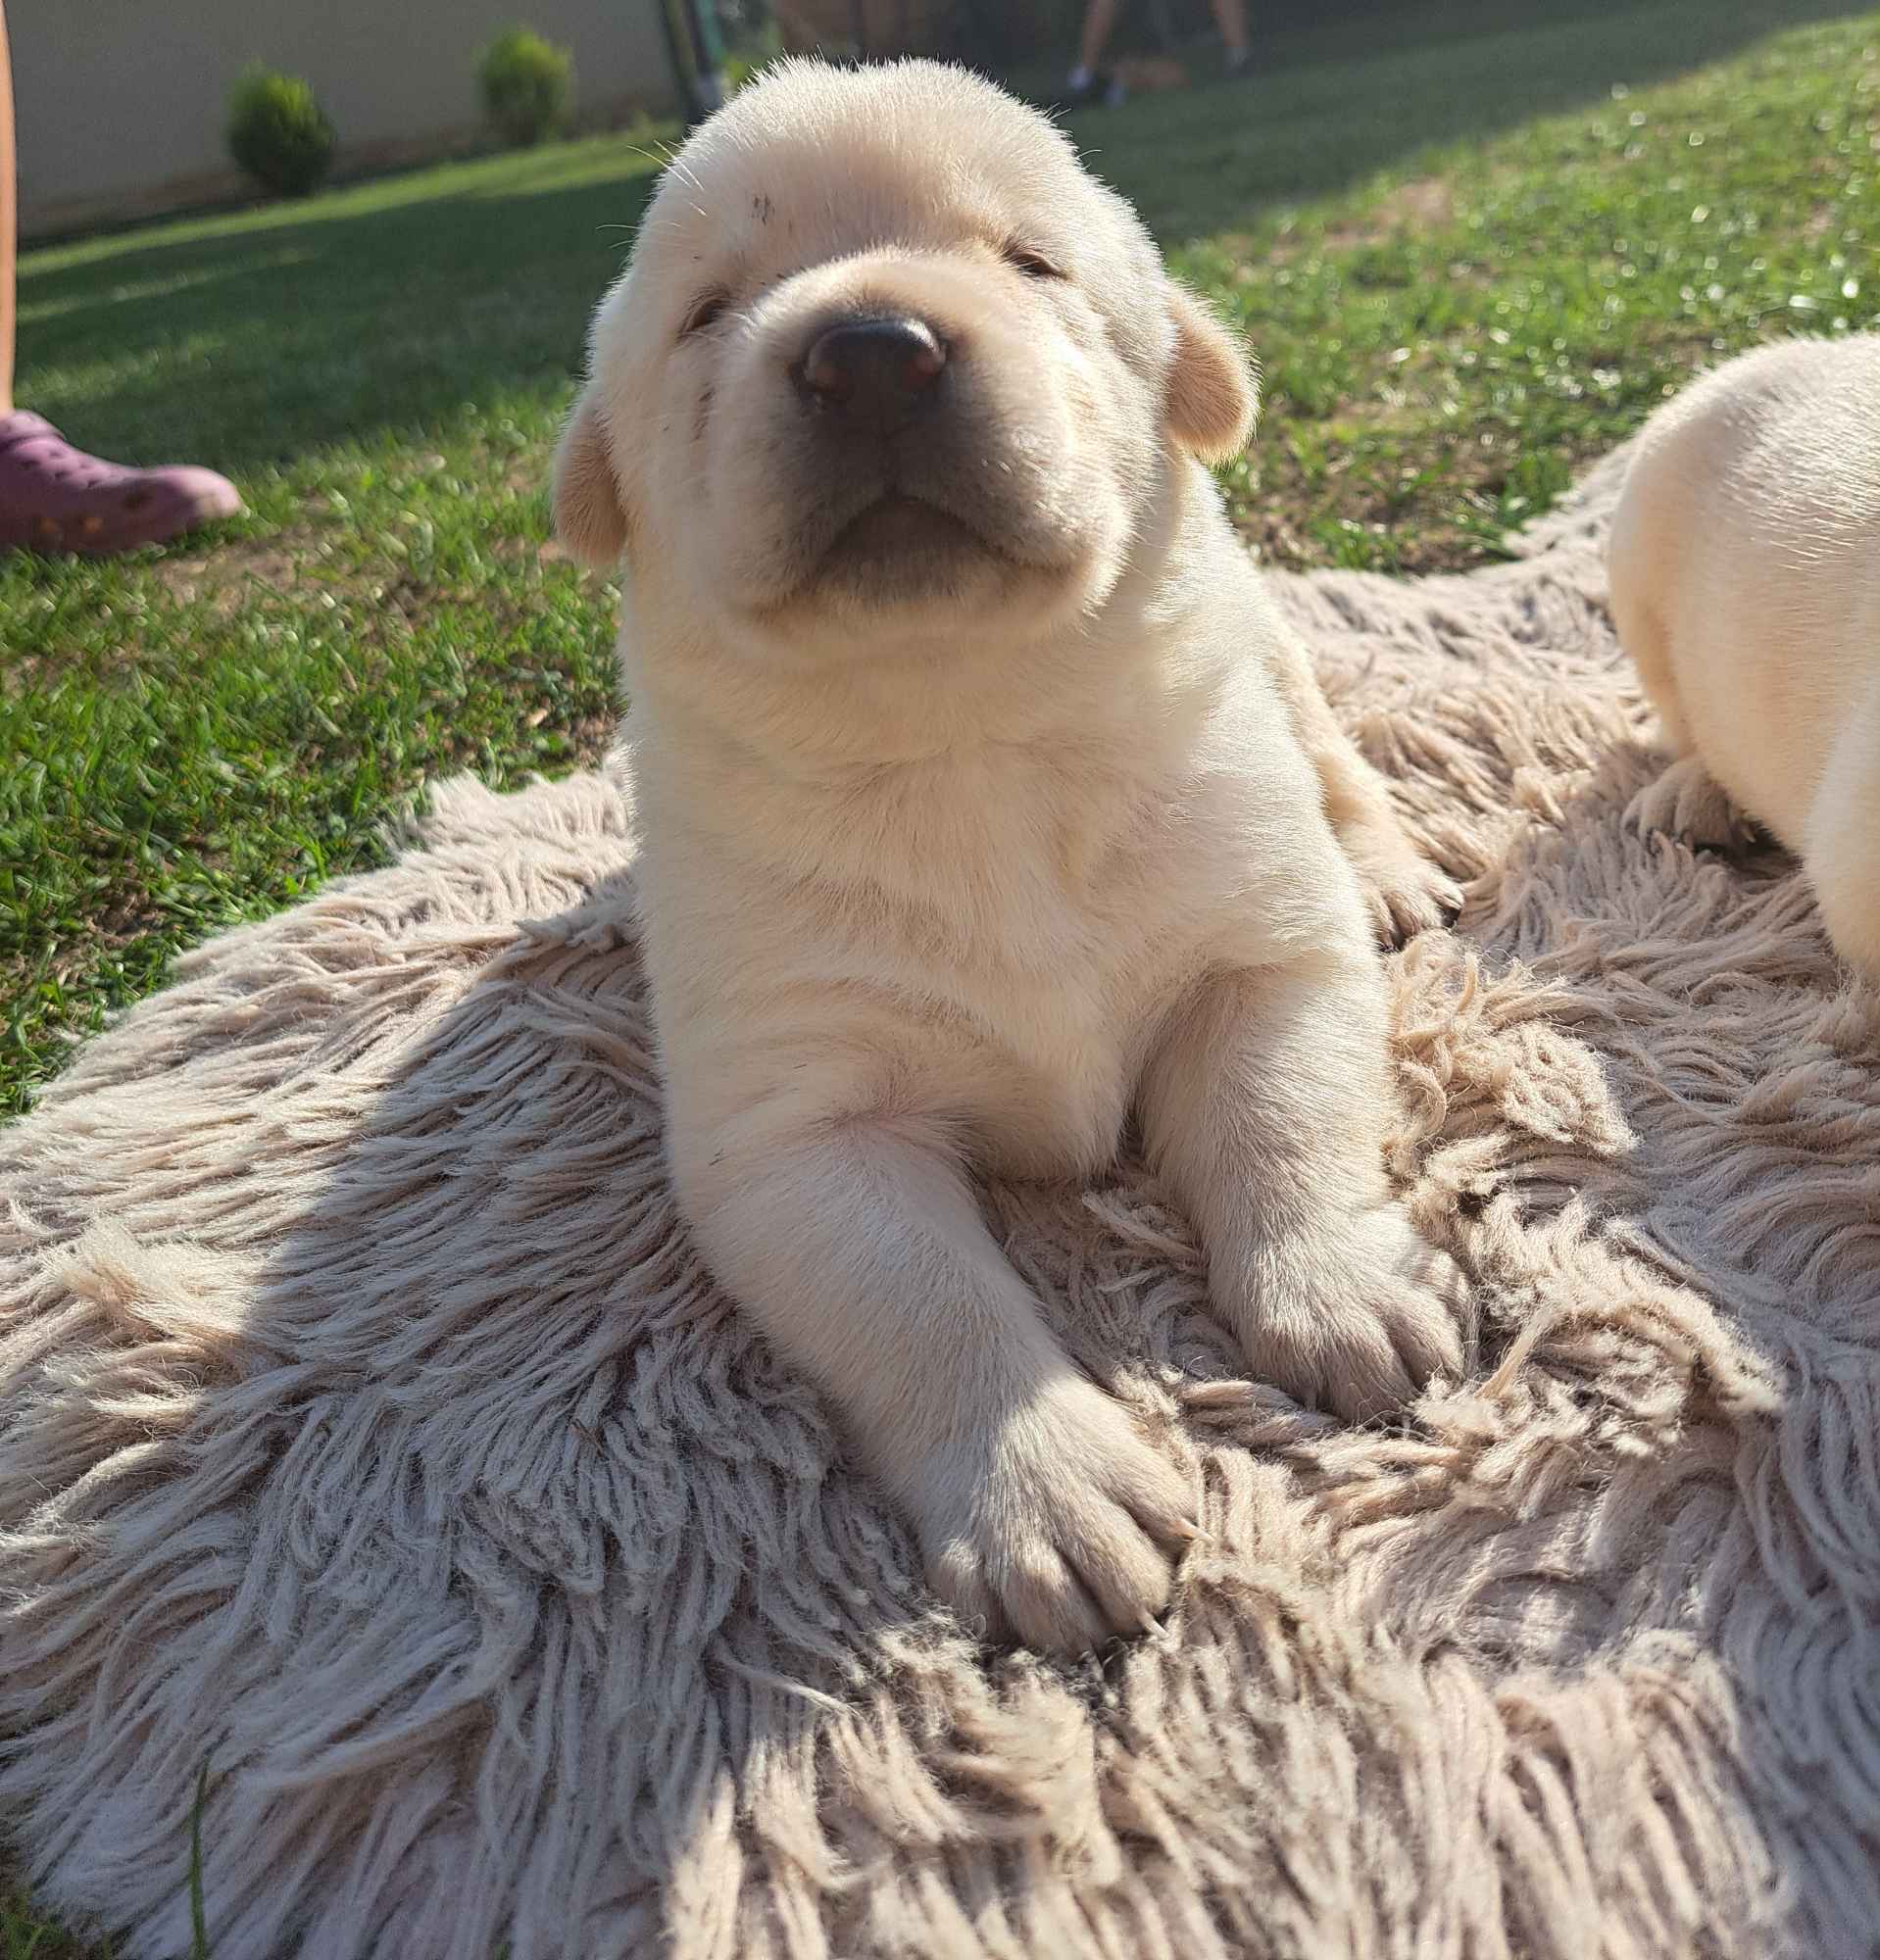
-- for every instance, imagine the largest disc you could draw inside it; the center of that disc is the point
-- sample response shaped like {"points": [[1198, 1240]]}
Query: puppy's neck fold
{"points": [[1109, 683], [1120, 675]]}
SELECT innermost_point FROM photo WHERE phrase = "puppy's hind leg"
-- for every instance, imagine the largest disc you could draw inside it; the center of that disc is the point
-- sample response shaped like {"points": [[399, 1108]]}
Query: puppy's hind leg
{"points": [[1684, 800], [1264, 1110], [1406, 893], [1642, 556], [1843, 847]]}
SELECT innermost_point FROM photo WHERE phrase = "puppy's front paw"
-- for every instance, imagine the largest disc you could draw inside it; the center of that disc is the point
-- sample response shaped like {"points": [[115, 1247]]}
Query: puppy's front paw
{"points": [[1687, 802], [1406, 893], [1060, 1526], [1361, 1327]]}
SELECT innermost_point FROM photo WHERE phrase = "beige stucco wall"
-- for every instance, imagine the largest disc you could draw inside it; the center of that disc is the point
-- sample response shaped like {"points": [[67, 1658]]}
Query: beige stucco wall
{"points": [[120, 102]]}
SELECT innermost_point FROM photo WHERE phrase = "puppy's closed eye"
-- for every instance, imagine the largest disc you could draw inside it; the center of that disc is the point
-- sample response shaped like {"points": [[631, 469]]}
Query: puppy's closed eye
{"points": [[1032, 264], [705, 311]]}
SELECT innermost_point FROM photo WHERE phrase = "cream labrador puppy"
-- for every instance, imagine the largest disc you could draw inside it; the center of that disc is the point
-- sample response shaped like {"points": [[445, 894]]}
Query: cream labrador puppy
{"points": [[1745, 565], [984, 801]]}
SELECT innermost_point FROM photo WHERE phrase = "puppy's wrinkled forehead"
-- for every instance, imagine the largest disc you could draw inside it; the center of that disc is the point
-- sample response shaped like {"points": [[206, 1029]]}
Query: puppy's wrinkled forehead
{"points": [[816, 163]]}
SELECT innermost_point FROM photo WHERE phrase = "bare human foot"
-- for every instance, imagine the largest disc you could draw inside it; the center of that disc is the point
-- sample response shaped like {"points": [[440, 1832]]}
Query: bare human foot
{"points": [[54, 498]]}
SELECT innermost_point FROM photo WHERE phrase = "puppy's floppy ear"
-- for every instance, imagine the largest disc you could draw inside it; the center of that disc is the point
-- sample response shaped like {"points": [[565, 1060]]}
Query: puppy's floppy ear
{"points": [[1212, 402], [590, 515]]}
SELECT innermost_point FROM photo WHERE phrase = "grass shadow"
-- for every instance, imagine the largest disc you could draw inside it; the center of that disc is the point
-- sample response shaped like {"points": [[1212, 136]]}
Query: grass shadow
{"points": [[1332, 104], [247, 343]]}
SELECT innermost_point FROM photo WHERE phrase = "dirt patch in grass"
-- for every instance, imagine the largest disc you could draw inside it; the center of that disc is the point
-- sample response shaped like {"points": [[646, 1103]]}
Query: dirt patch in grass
{"points": [[225, 576], [1421, 206], [1448, 524]]}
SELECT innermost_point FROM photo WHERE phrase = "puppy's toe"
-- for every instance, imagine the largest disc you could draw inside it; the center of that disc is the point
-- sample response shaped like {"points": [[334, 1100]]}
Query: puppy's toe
{"points": [[956, 1572], [1434, 902], [1333, 1358], [1071, 1537], [1364, 1332], [1407, 893], [1422, 1322]]}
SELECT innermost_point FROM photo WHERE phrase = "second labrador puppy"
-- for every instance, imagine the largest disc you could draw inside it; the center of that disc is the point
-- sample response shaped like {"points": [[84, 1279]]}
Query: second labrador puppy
{"points": [[1745, 566], [983, 799]]}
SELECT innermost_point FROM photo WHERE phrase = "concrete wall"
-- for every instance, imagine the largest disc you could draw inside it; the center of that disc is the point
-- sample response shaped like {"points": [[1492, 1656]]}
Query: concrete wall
{"points": [[121, 103]]}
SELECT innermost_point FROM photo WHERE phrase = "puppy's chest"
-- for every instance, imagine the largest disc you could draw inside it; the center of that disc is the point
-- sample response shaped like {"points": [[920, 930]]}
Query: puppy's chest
{"points": [[1015, 882], [1038, 933]]}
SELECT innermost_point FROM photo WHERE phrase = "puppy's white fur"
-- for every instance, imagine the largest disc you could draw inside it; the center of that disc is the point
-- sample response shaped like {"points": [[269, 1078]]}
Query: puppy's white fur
{"points": [[1745, 566], [984, 801]]}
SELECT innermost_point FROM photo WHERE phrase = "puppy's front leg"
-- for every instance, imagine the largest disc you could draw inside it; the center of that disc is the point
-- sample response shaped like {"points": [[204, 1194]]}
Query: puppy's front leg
{"points": [[856, 1245], [1407, 894], [1264, 1110]]}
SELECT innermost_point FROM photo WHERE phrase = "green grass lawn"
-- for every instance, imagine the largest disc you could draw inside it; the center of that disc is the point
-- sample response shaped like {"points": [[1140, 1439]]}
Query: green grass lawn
{"points": [[1469, 256], [25, 1934], [1468, 259]]}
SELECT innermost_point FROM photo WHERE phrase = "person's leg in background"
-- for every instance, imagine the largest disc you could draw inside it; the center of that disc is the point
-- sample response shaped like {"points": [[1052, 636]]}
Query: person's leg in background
{"points": [[1230, 17], [54, 497], [1087, 80]]}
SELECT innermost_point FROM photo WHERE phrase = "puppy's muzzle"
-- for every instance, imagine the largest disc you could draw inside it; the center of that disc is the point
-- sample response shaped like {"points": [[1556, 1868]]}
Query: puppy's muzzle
{"points": [[872, 376]]}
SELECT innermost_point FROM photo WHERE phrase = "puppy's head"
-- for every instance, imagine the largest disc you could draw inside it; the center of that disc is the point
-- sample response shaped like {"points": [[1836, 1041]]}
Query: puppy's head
{"points": [[887, 358]]}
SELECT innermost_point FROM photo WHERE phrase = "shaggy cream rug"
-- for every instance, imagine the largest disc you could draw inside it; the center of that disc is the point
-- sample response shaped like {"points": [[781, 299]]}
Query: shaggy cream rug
{"points": [[370, 1434]]}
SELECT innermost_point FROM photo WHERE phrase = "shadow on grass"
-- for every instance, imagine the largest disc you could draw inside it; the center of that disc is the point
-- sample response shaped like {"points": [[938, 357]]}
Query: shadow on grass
{"points": [[248, 340], [1335, 103], [244, 344]]}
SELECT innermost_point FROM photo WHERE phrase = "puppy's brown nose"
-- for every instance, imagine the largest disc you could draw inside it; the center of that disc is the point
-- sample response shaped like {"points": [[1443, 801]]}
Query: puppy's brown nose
{"points": [[873, 367]]}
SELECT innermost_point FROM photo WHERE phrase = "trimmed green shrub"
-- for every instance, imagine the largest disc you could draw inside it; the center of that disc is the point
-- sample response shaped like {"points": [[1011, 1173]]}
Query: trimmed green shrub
{"points": [[278, 133], [528, 83]]}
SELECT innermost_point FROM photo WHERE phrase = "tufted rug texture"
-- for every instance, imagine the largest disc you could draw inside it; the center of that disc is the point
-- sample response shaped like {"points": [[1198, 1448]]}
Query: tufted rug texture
{"points": [[370, 1438]]}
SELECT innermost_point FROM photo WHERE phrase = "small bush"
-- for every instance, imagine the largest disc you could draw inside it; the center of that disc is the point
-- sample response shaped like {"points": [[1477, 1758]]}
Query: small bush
{"points": [[278, 133], [751, 54], [527, 85]]}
